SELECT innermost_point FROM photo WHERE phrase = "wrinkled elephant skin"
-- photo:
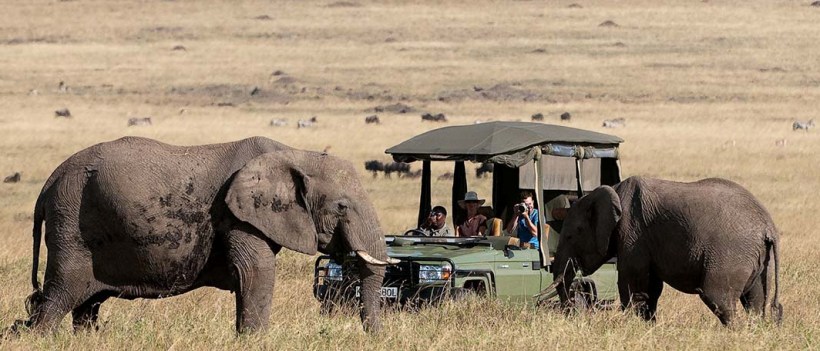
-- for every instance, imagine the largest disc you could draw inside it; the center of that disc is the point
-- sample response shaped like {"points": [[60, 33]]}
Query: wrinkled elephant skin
{"points": [[710, 237], [136, 218]]}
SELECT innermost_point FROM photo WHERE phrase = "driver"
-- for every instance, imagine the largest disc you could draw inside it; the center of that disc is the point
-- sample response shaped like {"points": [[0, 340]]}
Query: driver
{"points": [[436, 225]]}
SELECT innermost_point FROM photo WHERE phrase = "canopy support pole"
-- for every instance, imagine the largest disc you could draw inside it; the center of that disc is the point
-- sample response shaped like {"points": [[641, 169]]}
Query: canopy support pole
{"points": [[424, 198], [579, 177], [539, 195], [459, 189]]}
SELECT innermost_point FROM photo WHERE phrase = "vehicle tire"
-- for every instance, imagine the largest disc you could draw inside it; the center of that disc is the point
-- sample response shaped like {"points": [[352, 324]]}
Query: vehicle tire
{"points": [[461, 294], [583, 294], [327, 307]]}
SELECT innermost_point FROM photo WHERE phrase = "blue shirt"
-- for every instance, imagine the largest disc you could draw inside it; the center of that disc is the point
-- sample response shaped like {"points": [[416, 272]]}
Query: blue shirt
{"points": [[523, 230]]}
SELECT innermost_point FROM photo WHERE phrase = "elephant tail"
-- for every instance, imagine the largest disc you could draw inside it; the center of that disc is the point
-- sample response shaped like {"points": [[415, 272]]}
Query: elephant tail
{"points": [[777, 308], [36, 298], [37, 233]]}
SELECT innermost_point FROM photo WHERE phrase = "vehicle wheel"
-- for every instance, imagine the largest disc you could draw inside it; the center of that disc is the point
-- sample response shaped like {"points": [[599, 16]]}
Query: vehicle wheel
{"points": [[461, 294], [327, 307], [583, 293]]}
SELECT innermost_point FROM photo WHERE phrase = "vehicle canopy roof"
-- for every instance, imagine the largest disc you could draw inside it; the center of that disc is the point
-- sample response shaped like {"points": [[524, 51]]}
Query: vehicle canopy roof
{"points": [[515, 149], [508, 143]]}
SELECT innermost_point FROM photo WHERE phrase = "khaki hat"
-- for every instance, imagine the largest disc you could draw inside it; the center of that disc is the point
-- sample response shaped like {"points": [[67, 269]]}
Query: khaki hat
{"points": [[470, 196]]}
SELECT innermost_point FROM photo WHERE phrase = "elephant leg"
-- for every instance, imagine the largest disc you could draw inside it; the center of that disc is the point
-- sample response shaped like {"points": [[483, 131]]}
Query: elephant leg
{"points": [[640, 292], [85, 316], [654, 291], [55, 303], [66, 287], [254, 264], [754, 298], [721, 291]]}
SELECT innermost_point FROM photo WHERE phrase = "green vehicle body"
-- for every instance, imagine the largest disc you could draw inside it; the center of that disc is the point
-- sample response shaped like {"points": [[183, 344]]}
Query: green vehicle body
{"points": [[548, 160], [485, 266]]}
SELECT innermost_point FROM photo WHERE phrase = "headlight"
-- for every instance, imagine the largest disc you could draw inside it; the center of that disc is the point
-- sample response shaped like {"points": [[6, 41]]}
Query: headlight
{"points": [[334, 271], [434, 273]]}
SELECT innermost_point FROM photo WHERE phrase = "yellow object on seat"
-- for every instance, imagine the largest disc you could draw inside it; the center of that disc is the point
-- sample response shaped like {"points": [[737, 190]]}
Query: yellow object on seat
{"points": [[494, 227]]}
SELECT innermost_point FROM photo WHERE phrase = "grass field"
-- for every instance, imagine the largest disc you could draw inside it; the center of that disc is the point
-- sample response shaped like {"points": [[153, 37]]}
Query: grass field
{"points": [[707, 88]]}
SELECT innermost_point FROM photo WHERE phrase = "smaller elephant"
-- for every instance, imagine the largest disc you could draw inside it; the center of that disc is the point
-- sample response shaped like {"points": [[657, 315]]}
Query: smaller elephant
{"points": [[710, 237]]}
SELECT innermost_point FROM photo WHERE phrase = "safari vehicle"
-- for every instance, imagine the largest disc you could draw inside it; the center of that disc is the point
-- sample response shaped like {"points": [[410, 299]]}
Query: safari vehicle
{"points": [[551, 160]]}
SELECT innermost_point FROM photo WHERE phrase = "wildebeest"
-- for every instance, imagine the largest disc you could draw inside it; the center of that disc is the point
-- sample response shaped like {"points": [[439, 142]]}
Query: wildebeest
{"points": [[278, 122], [445, 176], [374, 119], [414, 175], [139, 121], [481, 171], [63, 112], [302, 123], [803, 125], [614, 123], [538, 117], [14, 178], [566, 117], [439, 117], [398, 167], [374, 166]]}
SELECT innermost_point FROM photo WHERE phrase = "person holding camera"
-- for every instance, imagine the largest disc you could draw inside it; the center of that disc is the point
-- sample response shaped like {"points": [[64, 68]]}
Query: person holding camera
{"points": [[525, 223], [436, 223]]}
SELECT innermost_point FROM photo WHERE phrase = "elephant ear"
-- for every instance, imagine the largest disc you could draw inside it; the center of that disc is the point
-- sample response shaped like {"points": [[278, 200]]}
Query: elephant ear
{"points": [[606, 212], [270, 193]]}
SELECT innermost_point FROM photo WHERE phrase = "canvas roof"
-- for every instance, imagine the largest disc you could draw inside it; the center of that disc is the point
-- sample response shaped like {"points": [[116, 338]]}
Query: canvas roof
{"points": [[501, 142]]}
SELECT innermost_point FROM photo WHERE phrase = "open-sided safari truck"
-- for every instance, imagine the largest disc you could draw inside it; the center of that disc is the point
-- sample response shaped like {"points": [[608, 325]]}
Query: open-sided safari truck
{"points": [[550, 160]]}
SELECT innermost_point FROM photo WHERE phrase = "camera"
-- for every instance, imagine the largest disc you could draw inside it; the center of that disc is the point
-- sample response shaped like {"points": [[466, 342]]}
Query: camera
{"points": [[521, 208]]}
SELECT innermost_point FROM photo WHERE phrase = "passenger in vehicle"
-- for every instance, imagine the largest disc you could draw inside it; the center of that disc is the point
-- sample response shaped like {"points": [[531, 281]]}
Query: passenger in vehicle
{"points": [[556, 210], [476, 223], [436, 224], [493, 223], [525, 223]]}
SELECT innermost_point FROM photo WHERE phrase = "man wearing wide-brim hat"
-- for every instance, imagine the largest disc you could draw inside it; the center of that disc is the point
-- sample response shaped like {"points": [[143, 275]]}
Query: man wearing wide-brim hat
{"points": [[476, 223]]}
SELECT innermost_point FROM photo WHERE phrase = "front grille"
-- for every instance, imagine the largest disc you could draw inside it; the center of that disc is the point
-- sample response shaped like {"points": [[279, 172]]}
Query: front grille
{"points": [[400, 275]]}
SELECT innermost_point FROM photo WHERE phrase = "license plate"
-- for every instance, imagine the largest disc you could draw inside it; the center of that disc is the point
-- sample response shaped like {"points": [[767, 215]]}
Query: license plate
{"points": [[388, 292]]}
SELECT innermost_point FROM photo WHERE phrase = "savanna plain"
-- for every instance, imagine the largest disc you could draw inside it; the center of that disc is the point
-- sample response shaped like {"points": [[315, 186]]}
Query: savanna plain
{"points": [[707, 89]]}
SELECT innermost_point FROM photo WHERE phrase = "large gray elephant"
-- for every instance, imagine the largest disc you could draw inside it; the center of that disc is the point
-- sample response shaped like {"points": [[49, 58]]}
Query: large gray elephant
{"points": [[710, 237], [136, 218]]}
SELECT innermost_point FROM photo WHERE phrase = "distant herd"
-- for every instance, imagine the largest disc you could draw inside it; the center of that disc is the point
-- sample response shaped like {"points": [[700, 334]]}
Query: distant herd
{"points": [[403, 170]]}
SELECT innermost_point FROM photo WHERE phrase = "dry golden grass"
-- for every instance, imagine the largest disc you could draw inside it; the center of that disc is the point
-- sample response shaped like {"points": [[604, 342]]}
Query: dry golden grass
{"points": [[707, 88]]}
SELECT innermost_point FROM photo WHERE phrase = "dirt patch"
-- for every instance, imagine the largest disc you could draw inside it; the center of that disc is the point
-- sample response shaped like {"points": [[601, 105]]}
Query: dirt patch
{"points": [[49, 39], [393, 108], [161, 33], [499, 92], [343, 4]]}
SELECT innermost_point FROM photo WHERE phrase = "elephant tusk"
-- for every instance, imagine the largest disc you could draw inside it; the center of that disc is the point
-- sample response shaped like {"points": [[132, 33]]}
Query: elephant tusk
{"points": [[555, 283], [374, 261]]}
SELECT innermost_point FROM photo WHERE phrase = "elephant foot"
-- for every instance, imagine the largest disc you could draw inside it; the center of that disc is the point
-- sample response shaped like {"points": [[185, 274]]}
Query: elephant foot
{"points": [[15, 329]]}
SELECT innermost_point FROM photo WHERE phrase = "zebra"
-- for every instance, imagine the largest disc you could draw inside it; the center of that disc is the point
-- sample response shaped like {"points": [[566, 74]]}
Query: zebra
{"points": [[803, 125], [278, 122], [614, 123], [141, 121], [307, 123]]}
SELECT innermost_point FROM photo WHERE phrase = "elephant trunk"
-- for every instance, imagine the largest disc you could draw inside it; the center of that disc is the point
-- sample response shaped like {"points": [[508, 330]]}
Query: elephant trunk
{"points": [[364, 236], [563, 275], [371, 277]]}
